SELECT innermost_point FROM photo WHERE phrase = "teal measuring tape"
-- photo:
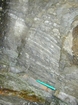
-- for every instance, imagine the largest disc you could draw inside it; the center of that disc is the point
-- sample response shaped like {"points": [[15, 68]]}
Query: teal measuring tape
{"points": [[47, 85]]}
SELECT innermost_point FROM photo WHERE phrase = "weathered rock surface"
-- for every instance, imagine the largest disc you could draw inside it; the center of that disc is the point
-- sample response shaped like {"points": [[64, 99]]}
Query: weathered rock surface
{"points": [[40, 41], [12, 100], [21, 86]]}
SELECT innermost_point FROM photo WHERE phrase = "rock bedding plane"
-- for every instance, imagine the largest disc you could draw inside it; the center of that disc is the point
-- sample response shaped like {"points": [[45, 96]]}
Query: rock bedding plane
{"points": [[38, 40]]}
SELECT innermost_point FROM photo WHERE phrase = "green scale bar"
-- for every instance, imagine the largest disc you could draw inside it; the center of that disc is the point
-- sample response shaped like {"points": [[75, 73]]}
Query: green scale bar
{"points": [[47, 85]]}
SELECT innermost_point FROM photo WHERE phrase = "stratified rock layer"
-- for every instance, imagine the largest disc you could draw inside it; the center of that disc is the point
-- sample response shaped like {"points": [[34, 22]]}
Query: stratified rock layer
{"points": [[39, 41]]}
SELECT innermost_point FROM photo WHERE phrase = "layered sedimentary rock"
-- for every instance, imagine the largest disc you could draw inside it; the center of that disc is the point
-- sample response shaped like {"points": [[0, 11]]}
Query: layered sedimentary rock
{"points": [[40, 42]]}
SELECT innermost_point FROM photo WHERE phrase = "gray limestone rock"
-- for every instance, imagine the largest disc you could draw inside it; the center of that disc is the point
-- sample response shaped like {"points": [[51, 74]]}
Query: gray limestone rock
{"points": [[36, 39]]}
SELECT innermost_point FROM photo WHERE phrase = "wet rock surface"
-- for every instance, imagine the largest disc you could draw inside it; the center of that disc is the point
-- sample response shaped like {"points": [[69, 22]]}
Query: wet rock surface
{"points": [[39, 41]]}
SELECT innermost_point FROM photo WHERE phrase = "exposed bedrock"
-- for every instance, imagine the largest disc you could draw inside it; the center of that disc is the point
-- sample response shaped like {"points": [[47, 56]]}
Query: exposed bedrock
{"points": [[40, 41]]}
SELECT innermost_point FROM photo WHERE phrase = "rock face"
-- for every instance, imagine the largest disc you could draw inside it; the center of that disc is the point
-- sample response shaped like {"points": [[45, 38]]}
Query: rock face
{"points": [[75, 45], [40, 41], [15, 101]]}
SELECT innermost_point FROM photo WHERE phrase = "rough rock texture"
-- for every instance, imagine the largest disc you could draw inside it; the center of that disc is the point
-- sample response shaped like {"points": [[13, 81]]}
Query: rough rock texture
{"points": [[75, 45], [41, 41], [11, 100]]}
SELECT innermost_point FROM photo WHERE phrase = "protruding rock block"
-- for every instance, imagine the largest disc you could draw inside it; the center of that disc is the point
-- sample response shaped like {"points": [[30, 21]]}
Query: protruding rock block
{"points": [[70, 100]]}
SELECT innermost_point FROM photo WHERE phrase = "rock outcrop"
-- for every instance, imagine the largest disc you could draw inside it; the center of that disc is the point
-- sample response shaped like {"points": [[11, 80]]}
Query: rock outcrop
{"points": [[39, 40]]}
